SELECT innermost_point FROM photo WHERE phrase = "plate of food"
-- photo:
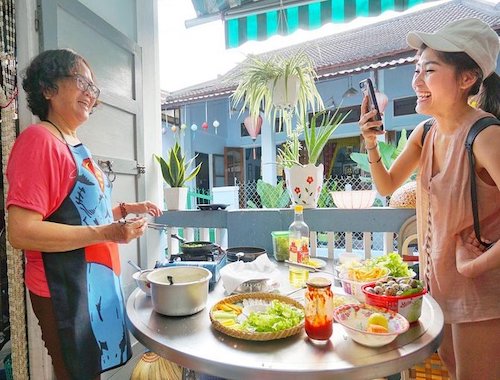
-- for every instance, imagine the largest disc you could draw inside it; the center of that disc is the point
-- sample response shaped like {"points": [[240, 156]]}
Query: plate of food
{"points": [[317, 263], [258, 316]]}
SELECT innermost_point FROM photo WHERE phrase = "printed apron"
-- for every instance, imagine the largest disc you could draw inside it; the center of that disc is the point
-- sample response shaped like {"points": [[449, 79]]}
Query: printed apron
{"points": [[84, 283]]}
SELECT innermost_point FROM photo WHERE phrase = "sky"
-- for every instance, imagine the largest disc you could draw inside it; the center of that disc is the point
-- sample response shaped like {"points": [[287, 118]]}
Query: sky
{"points": [[189, 56]]}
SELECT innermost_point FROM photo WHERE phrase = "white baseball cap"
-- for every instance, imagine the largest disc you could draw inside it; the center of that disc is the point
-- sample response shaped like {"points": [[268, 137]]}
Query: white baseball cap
{"points": [[471, 36]]}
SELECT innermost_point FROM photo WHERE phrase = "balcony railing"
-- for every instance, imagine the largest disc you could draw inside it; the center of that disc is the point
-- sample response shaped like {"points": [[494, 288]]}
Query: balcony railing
{"points": [[253, 227]]}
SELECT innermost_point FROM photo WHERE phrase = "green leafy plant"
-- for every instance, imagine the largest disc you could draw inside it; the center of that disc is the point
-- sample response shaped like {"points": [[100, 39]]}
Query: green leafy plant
{"points": [[316, 136], [388, 152], [271, 196], [325, 199], [175, 170], [259, 78]]}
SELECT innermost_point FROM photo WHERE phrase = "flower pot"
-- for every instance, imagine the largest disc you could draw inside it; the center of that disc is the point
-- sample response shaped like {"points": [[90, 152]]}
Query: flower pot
{"points": [[285, 94], [304, 184], [176, 198]]}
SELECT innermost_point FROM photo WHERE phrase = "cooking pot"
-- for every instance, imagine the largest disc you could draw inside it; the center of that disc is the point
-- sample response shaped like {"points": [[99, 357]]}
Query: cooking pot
{"points": [[244, 253], [196, 247], [179, 291]]}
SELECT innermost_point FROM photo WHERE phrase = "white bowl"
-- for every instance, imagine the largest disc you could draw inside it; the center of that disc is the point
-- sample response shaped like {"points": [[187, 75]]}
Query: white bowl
{"points": [[140, 278], [354, 198], [354, 319], [354, 287]]}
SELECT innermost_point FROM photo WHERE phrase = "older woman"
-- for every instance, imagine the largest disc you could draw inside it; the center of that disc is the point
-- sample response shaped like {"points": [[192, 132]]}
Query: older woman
{"points": [[60, 214]]}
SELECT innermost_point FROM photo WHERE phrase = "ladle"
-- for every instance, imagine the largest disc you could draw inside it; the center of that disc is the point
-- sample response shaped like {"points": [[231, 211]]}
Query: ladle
{"points": [[135, 265]]}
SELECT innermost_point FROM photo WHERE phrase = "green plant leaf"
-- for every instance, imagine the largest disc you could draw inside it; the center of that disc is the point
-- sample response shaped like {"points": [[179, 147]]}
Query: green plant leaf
{"points": [[272, 196], [317, 137], [362, 160], [251, 204], [386, 151], [401, 144], [174, 168]]}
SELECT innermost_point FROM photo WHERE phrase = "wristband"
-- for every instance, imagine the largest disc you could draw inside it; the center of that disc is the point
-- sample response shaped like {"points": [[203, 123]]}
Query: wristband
{"points": [[374, 162], [123, 210]]}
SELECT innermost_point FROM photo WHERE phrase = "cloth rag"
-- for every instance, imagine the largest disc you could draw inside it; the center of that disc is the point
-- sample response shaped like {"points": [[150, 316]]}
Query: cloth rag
{"points": [[235, 274]]}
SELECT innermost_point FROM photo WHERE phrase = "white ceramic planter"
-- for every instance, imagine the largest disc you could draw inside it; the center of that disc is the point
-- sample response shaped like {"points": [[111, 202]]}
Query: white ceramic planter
{"points": [[176, 198], [285, 96], [304, 184]]}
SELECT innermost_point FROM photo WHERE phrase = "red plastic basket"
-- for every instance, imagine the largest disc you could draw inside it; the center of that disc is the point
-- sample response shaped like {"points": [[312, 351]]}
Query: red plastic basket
{"points": [[409, 306]]}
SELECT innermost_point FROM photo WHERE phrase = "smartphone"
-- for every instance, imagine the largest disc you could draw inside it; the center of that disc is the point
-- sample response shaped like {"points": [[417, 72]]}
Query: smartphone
{"points": [[366, 87]]}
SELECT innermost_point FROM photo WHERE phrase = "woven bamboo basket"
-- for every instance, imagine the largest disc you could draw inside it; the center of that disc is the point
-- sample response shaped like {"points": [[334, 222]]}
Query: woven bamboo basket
{"points": [[430, 369], [153, 367], [257, 336]]}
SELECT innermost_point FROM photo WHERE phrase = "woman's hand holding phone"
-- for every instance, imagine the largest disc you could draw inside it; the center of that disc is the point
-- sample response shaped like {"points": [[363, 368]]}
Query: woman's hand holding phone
{"points": [[366, 86], [370, 128]]}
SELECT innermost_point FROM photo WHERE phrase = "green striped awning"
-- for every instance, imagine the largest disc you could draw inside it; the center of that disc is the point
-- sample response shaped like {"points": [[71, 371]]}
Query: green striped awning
{"points": [[261, 26]]}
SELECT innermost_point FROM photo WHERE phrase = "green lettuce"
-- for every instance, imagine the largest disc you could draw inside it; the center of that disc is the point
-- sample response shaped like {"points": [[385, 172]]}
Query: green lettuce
{"points": [[394, 262], [278, 316]]}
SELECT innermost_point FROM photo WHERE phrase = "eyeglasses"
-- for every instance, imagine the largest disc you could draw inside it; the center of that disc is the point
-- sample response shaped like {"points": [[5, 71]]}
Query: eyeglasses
{"points": [[84, 85]]}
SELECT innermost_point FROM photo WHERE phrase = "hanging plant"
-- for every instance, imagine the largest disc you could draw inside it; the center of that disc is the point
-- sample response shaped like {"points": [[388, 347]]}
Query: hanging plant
{"points": [[260, 79]]}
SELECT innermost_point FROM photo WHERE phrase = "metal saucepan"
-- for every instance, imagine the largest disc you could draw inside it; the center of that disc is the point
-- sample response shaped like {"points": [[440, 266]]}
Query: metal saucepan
{"points": [[244, 253], [195, 247], [179, 291]]}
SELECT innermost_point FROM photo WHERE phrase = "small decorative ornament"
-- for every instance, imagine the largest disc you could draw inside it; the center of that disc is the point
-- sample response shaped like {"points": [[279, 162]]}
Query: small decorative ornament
{"points": [[163, 130], [253, 128], [216, 125], [173, 128], [194, 127], [183, 128], [204, 126]]}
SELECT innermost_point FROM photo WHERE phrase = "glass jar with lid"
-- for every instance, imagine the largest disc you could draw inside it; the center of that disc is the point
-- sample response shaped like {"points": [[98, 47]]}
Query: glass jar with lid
{"points": [[319, 309]]}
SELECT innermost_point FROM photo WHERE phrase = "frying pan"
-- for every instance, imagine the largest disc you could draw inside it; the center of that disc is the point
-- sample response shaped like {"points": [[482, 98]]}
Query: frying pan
{"points": [[245, 253], [195, 247]]}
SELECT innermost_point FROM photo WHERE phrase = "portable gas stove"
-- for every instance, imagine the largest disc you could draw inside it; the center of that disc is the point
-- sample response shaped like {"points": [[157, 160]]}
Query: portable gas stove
{"points": [[213, 261]]}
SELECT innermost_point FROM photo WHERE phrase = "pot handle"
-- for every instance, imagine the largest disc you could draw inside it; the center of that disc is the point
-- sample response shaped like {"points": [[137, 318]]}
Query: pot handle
{"points": [[175, 236]]}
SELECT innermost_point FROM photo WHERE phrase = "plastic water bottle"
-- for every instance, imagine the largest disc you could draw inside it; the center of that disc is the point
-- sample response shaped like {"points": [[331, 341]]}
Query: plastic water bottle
{"points": [[298, 246]]}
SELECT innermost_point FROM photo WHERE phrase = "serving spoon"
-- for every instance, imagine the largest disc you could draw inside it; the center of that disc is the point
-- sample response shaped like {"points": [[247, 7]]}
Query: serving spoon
{"points": [[135, 266]]}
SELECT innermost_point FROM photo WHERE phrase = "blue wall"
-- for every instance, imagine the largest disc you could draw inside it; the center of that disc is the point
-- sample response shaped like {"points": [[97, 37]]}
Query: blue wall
{"points": [[395, 82]]}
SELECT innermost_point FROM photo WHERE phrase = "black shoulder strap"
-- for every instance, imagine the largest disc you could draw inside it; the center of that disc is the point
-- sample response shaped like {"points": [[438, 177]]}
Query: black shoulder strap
{"points": [[473, 132], [427, 126]]}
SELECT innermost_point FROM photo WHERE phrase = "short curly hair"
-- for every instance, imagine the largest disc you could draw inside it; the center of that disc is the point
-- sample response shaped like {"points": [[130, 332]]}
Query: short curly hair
{"points": [[43, 73]]}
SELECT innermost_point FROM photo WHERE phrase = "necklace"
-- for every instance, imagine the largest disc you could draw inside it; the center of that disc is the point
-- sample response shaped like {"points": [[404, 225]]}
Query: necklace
{"points": [[58, 130]]}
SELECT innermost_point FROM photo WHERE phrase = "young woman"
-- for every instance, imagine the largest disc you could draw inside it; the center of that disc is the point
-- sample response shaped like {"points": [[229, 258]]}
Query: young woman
{"points": [[454, 64], [60, 213]]}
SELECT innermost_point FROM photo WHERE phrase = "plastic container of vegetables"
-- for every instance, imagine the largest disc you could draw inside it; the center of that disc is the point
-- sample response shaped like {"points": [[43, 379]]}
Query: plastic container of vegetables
{"points": [[280, 245], [409, 304]]}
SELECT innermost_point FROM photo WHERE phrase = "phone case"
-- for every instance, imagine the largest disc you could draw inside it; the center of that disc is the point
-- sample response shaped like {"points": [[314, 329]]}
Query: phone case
{"points": [[366, 86]]}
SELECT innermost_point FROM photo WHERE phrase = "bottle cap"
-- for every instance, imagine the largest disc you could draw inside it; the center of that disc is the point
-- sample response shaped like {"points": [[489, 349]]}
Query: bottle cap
{"points": [[299, 208], [319, 282]]}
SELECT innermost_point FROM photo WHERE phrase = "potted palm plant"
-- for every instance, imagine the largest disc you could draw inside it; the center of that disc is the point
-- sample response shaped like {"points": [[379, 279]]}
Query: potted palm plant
{"points": [[277, 86], [305, 181], [175, 172]]}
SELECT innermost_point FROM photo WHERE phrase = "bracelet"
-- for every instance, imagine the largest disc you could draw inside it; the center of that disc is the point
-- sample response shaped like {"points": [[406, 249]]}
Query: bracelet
{"points": [[372, 147], [374, 162], [123, 210]]}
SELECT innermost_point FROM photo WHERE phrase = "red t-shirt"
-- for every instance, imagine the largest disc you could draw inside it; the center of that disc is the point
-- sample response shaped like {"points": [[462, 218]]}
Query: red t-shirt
{"points": [[41, 173]]}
